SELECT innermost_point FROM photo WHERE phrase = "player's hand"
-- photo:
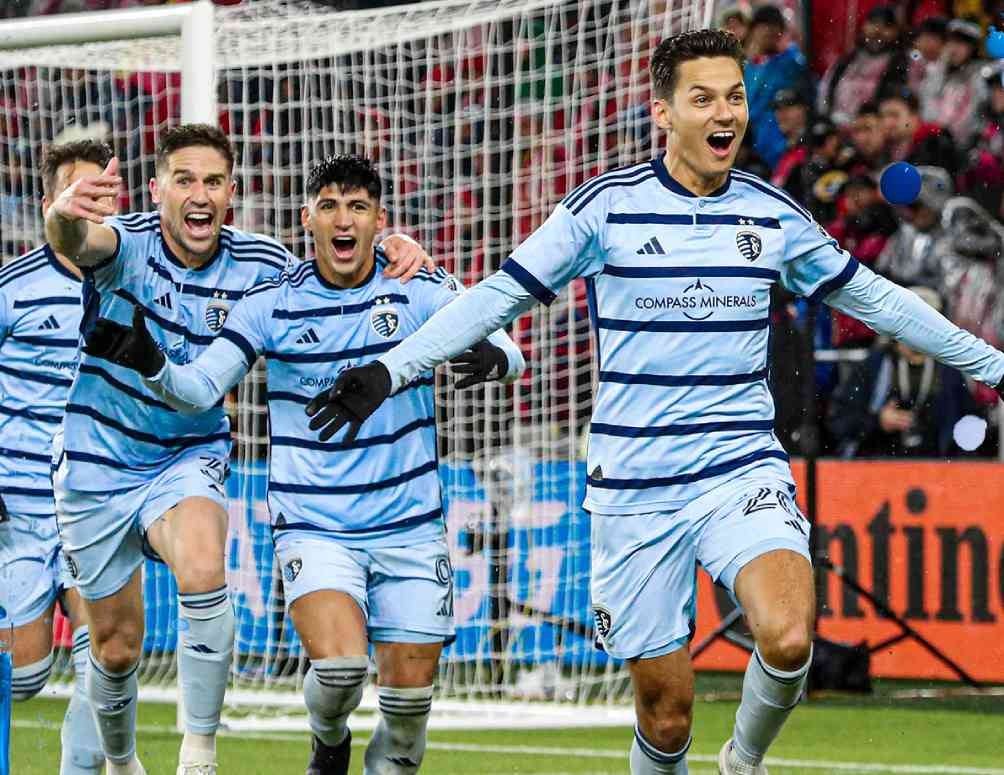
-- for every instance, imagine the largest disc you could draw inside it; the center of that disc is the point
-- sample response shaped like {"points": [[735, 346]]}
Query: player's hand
{"points": [[91, 198], [129, 346], [406, 257], [356, 394], [892, 419], [482, 363]]}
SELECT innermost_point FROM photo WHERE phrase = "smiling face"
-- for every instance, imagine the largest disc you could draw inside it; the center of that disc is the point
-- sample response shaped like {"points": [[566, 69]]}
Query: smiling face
{"points": [[344, 223], [193, 190], [705, 118]]}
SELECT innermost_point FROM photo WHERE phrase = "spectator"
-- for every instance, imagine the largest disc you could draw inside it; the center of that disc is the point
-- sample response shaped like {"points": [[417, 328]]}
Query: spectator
{"points": [[919, 251], [910, 139], [983, 177], [816, 181], [899, 402], [928, 45], [868, 141], [953, 93], [770, 67], [736, 19], [877, 62], [792, 113]]}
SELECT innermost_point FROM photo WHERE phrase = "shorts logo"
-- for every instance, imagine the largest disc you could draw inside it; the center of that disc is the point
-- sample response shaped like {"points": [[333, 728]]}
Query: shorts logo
{"points": [[385, 320], [453, 284], [71, 565], [216, 471], [750, 245], [292, 569], [444, 575], [216, 315], [602, 619], [760, 502]]}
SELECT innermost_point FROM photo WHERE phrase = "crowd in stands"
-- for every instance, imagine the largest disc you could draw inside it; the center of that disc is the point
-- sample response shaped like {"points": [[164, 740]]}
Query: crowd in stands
{"points": [[916, 88]]}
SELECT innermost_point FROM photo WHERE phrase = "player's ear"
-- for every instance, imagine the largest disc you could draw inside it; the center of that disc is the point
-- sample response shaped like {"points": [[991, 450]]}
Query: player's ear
{"points": [[45, 205], [381, 223], [305, 218], [661, 112], [154, 190]]}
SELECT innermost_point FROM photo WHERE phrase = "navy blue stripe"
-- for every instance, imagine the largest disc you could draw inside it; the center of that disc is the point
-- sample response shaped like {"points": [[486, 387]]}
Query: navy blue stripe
{"points": [[660, 757], [152, 226], [344, 309], [30, 415], [420, 519], [835, 283], [737, 220], [600, 189], [620, 173], [38, 458], [148, 438], [669, 481], [630, 432], [28, 492], [371, 441], [250, 356], [683, 326], [97, 371], [297, 398], [167, 325], [756, 272], [682, 380], [47, 301], [99, 460], [42, 341], [660, 218], [538, 290], [247, 242], [356, 352], [23, 260], [186, 289], [771, 192], [18, 270], [355, 489], [200, 604], [41, 378]]}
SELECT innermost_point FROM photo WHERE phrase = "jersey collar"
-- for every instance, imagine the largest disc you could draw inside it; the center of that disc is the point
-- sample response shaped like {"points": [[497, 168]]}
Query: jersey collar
{"points": [[331, 286], [57, 264], [667, 180], [181, 265]]}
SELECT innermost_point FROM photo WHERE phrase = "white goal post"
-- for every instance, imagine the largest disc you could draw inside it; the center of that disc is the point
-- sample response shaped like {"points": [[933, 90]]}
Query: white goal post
{"points": [[480, 115]]}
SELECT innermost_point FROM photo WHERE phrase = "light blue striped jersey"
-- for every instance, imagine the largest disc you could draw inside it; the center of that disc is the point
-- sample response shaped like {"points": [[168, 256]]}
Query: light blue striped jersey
{"points": [[679, 294], [39, 325], [383, 488], [116, 433]]}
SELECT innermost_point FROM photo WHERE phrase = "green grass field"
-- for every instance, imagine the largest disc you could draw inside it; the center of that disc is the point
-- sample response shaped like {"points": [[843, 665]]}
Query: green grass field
{"points": [[878, 734]]}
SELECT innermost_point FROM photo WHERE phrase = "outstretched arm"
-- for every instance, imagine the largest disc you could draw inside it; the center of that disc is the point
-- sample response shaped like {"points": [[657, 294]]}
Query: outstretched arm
{"points": [[897, 312], [75, 221]]}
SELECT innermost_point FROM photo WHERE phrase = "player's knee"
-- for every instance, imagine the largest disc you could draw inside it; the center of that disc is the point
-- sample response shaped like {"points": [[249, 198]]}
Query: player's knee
{"points": [[118, 652], [28, 680], [787, 647], [665, 719]]}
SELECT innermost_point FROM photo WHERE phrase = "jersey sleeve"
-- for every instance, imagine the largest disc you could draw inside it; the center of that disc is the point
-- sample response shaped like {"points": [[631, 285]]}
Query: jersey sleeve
{"points": [[133, 234], [566, 246], [814, 264], [5, 316], [249, 324]]}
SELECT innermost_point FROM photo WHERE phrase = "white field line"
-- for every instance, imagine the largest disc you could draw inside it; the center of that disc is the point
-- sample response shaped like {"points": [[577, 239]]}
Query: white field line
{"points": [[593, 753]]}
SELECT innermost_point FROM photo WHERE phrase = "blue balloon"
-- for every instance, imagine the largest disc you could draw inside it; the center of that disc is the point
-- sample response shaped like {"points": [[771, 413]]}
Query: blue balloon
{"points": [[900, 183], [995, 43]]}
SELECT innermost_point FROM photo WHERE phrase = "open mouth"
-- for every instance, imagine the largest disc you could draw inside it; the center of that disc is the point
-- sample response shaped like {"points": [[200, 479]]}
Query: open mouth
{"points": [[345, 247], [199, 225], [721, 142]]}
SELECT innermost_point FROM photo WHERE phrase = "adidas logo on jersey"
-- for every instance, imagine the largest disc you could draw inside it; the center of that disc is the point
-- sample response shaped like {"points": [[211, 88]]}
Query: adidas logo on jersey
{"points": [[164, 301], [49, 324], [308, 337], [652, 247]]}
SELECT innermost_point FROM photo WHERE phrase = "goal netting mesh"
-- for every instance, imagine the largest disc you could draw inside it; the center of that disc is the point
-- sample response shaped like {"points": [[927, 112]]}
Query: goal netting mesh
{"points": [[481, 116]]}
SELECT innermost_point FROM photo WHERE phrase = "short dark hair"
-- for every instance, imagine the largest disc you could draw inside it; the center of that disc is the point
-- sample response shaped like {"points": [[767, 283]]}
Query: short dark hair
{"points": [[770, 15], [905, 96], [189, 135], [869, 108], [93, 151], [347, 171], [674, 51]]}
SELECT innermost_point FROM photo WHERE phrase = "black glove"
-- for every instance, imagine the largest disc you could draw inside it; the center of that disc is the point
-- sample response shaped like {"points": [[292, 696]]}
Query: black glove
{"points": [[356, 394], [1000, 389], [482, 363], [4, 516], [132, 347]]}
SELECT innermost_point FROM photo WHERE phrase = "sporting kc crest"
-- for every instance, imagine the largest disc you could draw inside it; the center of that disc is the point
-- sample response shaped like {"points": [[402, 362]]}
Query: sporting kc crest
{"points": [[750, 245], [292, 569], [385, 320], [216, 314]]}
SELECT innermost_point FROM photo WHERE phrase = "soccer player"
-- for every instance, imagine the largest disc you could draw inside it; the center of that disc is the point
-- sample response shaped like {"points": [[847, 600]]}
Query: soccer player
{"points": [[357, 522], [131, 473], [680, 254], [39, 325]]}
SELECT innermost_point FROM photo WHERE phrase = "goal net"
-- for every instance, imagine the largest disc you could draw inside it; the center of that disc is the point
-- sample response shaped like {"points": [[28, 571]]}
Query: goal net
{"points": [[481, 115]]}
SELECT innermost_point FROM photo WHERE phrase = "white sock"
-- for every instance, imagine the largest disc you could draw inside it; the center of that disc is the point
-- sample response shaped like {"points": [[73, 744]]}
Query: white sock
{"points": [[81, 748], [332, 689], [206, 643], [27, 680], [131, 767], [398, 744], [113, 700], [646, 759], [769, 695], [197, 749]]}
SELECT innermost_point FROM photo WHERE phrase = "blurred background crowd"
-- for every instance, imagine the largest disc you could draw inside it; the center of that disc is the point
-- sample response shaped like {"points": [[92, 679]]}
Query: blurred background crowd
{"points": [[916, 86]]}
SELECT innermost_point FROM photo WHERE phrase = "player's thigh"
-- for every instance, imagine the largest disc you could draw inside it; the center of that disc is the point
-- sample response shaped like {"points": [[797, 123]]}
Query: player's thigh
{"points": [[777, 593], [29, 569], [33, 640], [407, 665], [116, 625], [73, 607], [324, 584], [410, 594], [663, 686], [643, 583], [191, 539]]}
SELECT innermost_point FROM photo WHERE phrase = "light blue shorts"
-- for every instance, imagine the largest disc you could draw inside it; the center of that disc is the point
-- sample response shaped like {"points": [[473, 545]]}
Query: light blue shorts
{"points": [[644, 566], [405, 592], [103, 533], [32, 571]]}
